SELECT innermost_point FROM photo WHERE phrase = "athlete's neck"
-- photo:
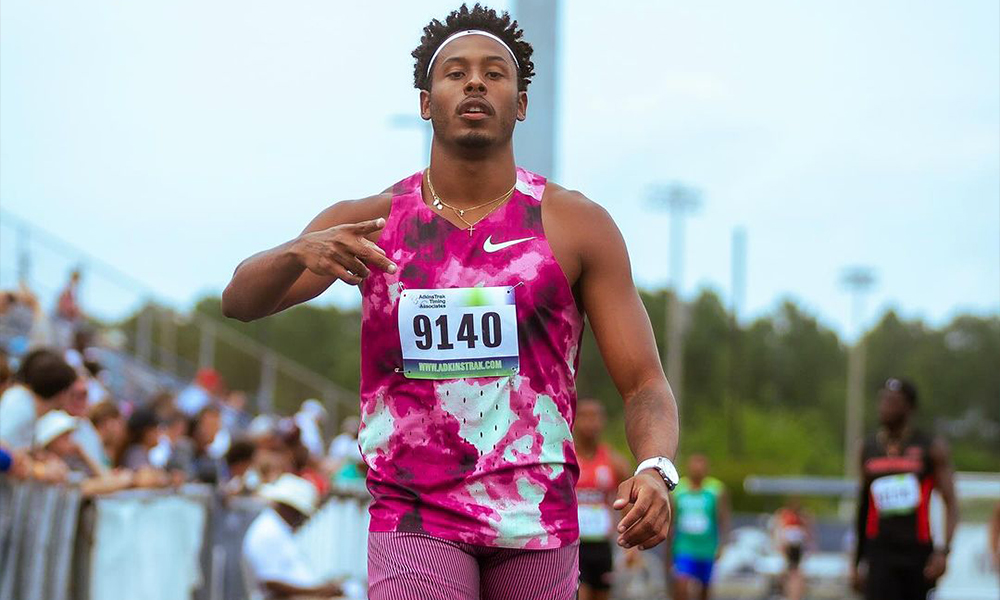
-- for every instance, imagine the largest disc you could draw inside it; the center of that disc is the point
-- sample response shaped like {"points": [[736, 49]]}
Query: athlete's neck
{"points": [[896, 431], [462, 180]]}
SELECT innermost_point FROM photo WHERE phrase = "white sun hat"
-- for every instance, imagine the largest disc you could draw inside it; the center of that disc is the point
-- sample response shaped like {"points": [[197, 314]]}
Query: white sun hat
{"points": [[294, 491], [52, 425]]}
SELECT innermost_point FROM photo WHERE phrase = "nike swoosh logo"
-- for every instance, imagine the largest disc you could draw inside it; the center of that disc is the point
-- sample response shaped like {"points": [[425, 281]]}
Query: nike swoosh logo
{"points": [[489, 246]]}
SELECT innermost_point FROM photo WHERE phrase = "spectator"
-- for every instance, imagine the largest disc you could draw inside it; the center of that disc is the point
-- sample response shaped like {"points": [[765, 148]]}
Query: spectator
{"points": [[111, 428], [345, 456], [75, 403], [309, 420], [206, 388], [14, 463], [6, 373], [175, 450], [239, 463], [68, 315], [206, 433], [235, 418], [44, 382], [55, 444], [143, 436], [275, 562], [23, 323]]}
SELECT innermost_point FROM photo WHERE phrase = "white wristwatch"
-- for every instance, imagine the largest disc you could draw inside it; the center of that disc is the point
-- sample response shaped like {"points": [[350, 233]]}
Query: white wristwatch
{"points": [[666, 469]]}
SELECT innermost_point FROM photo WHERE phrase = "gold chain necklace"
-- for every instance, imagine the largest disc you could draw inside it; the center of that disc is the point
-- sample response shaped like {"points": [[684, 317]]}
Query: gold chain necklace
{"points": [[460, 212]]}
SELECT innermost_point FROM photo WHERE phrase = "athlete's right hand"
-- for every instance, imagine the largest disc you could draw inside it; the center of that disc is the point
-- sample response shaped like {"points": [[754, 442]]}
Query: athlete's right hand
{"points": [[343, 251]]}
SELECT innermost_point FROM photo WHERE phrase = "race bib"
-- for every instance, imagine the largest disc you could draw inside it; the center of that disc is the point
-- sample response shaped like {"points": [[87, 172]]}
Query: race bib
{"points": [[695, 523], [458, 332], [595, 521], [896, 494]]}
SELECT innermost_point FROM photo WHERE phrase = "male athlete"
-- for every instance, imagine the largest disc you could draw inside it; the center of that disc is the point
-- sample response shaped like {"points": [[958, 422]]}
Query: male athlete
{"points": [[900, 467], [601, 470], [701, 523], [475, 276]]}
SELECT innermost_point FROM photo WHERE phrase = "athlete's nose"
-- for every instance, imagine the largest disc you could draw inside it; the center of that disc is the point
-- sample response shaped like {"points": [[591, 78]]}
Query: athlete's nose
{"points": [[475, 85]]}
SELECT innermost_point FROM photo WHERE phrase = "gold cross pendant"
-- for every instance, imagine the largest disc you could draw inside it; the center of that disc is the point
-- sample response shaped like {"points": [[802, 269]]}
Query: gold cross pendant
{"points": [[471, 229]]}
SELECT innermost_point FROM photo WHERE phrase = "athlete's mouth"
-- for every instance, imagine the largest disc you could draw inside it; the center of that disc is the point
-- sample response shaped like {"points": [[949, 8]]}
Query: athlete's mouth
{"points": [[475, 109]]}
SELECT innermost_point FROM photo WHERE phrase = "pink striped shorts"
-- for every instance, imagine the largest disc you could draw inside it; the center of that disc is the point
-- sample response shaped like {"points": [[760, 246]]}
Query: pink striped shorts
{"points": [[416, 566]]}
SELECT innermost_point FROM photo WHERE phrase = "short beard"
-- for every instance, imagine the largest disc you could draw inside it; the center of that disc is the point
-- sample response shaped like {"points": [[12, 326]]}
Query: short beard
{"points": [[475, 140]]}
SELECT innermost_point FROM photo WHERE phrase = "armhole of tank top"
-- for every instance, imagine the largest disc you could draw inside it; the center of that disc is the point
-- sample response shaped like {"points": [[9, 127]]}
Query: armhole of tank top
{"points": [[397, 204]]}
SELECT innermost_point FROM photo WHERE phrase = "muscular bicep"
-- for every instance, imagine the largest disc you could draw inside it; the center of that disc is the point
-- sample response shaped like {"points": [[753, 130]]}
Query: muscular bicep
{"points": [[613, 306], [309, 284]]}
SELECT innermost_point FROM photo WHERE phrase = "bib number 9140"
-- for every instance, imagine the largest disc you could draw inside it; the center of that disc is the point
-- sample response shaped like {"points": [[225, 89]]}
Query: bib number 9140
{"points": [[458, 332]]}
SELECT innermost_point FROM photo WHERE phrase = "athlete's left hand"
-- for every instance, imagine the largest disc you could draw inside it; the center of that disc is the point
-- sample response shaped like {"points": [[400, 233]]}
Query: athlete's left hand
{"points": [[936, 565], [645, 504]]}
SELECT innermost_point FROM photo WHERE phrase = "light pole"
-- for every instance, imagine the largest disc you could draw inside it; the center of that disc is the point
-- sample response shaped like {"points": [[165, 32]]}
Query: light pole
{"points": [[678, 200], [858, 280]]}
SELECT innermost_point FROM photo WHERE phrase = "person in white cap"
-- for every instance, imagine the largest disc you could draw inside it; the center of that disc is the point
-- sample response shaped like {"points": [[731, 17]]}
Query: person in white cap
{"points": [[278, 568], [54, 444]]}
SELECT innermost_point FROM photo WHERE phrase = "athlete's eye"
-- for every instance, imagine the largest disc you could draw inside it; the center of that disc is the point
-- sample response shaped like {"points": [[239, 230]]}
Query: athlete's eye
{"points": [[494, 75], [455, 75]]}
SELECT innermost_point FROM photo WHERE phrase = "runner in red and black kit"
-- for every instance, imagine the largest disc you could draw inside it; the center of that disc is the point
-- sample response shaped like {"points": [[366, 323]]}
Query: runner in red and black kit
{"points": [[900, 467], [601, 471]]}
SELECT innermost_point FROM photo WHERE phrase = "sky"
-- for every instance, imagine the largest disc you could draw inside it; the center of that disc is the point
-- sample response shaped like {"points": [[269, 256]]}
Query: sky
{"points": [[172, 140]]}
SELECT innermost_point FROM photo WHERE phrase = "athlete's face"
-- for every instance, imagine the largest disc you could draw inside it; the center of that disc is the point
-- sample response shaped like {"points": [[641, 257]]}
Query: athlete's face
{"points": [[893, 408], [589, 422], [474, 101]]}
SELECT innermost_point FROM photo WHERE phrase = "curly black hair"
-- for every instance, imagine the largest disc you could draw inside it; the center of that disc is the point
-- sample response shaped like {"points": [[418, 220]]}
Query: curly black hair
{"points": [[479, 17]]}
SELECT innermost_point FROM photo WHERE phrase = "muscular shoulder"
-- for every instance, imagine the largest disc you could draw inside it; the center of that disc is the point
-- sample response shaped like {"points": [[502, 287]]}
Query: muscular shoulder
{"points": [[573, 206], [572, 221]]}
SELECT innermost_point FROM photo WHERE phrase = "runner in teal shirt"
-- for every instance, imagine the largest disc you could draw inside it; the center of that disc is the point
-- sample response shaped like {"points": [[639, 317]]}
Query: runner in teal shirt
{"points": [[701, 519]]}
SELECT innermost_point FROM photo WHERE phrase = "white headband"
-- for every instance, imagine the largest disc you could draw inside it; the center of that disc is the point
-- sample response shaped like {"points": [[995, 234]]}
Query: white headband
{"points": [[459, 34]]}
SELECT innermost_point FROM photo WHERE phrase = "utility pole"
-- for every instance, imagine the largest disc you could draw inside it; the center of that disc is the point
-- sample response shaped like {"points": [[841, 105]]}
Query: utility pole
{"points": [[858, 280], [737, 298], [678, 200]]}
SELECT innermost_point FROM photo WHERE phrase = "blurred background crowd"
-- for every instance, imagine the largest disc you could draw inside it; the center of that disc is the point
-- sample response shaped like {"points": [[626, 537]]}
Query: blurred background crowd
{"points": [[61, 422]]}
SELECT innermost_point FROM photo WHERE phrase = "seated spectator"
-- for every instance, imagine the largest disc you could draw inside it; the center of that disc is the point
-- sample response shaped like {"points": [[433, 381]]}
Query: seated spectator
{"points": [[111, 428], [275, 562], [44, 381], [54, 443]]}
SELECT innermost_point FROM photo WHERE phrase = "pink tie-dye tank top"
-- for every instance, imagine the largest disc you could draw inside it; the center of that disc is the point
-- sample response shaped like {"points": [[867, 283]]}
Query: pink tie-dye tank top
{"points": [[483, 460]]}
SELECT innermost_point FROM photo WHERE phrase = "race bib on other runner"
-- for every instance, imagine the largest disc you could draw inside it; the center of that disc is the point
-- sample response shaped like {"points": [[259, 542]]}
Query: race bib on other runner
{"points": [[458, 332], [595, 521], [896, 494], [694, 523]]}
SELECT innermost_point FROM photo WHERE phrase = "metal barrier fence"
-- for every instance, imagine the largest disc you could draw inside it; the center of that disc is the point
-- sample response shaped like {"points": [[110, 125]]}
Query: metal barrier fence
{"points": [[154, 544]]}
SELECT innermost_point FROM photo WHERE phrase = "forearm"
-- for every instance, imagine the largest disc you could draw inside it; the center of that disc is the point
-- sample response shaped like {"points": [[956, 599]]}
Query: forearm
{"points": [[950, 519], [651, 425], [261, 282]]}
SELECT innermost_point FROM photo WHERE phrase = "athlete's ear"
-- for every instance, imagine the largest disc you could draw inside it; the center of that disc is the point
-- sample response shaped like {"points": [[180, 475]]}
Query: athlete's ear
{"points": [[425, 105], [522, 106]]}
